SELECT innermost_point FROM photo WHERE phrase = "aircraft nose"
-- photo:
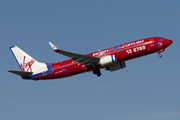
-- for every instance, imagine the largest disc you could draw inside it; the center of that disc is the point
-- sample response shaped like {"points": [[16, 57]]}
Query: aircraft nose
{"points": [[169, 42]]}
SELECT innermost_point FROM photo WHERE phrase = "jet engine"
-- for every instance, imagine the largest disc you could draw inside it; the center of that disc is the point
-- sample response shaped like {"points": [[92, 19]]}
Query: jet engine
{"points": [[108, 60], [116, 66]]}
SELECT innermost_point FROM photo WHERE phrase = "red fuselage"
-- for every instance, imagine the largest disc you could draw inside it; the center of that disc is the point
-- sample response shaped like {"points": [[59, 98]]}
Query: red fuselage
{"points": [[122, 52]]}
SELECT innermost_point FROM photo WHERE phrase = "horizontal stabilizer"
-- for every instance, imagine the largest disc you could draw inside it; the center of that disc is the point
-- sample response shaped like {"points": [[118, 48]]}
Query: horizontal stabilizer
{"points": [[21, 73]]}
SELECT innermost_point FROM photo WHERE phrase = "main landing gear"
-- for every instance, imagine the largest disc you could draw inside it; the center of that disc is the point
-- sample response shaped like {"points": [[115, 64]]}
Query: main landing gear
{"points": [[97, 72]]}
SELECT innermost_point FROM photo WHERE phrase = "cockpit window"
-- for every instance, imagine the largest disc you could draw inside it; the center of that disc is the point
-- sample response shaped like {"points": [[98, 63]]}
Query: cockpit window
{"points": [[161, 38]]}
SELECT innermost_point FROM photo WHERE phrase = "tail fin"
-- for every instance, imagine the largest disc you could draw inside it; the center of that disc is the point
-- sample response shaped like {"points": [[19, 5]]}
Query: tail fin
{"points": [[26, 62]]}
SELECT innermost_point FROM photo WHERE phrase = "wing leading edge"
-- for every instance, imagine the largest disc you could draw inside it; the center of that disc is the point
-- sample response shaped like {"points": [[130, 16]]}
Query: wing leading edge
{"points": [[82, 59]]}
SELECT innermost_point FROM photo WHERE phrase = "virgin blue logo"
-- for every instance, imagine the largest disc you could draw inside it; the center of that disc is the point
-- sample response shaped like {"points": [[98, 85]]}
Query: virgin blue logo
{"points": [[159, 43], [64, 70]]}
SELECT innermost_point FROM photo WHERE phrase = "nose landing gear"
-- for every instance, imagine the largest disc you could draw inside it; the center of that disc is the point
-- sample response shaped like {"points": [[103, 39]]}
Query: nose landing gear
{"points": [[160, 55], [160, 52]]}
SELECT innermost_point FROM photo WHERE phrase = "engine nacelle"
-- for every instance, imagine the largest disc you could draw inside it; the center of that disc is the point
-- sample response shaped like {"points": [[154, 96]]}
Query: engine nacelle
{"points": [[108, 60], [116, 66]]}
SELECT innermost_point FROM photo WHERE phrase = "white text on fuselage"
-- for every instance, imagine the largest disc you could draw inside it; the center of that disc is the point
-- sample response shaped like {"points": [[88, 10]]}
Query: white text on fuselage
{"points": [[100, 53], [132, 44], [136, 49]]}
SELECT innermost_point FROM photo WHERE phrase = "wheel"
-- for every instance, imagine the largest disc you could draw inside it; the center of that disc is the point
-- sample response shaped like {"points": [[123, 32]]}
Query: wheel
{"points": [[99, 74], [160, 55]]}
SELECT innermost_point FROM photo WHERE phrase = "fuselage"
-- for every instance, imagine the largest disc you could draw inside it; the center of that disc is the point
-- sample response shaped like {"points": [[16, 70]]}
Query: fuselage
{"points": [[122, 52]]}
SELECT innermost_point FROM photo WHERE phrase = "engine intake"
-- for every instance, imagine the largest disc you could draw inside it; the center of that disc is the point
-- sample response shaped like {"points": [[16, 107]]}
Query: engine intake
{"points": [[108, 60]]}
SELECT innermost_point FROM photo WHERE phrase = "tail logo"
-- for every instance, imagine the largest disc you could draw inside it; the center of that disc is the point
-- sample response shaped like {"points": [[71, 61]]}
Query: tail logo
{"points": [[27, 66]]}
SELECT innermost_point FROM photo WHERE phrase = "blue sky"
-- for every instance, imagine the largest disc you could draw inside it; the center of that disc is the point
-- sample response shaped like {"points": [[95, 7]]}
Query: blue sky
{"points": [[147, 89]]}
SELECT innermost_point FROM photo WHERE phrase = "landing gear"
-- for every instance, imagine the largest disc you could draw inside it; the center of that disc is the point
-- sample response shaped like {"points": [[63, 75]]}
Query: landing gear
{"points": [[160, 55], [97, 72], [160, 52]]}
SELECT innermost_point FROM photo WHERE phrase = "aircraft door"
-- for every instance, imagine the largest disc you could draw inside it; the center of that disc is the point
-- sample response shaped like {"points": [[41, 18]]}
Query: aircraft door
{"points": [[151, 45], [151, 42]]}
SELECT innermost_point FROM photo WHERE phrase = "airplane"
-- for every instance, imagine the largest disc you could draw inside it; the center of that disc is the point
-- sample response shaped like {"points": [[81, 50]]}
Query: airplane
{"points": [[110, 59]]}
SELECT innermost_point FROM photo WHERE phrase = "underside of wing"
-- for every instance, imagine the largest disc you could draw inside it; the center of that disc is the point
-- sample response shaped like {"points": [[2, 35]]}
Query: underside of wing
{"points": [[82, 59]]}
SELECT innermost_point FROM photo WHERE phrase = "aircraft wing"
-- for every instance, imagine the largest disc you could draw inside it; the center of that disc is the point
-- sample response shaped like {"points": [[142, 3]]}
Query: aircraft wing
{"points": [[82, 59]]}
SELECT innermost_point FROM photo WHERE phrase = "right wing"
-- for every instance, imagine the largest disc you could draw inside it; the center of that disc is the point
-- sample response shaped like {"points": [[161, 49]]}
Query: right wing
{"points": [[82, 59]]}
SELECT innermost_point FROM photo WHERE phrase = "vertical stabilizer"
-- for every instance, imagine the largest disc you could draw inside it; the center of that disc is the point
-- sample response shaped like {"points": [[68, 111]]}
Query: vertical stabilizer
{"points": [[26, 62]]}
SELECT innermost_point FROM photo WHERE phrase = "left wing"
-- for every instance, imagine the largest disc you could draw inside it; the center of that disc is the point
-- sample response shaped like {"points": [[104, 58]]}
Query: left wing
{"points": [[82, 59]]}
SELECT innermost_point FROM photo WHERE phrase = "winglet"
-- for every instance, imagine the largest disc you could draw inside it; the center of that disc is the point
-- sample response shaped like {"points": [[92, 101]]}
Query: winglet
{"points": [[53, 47]]}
